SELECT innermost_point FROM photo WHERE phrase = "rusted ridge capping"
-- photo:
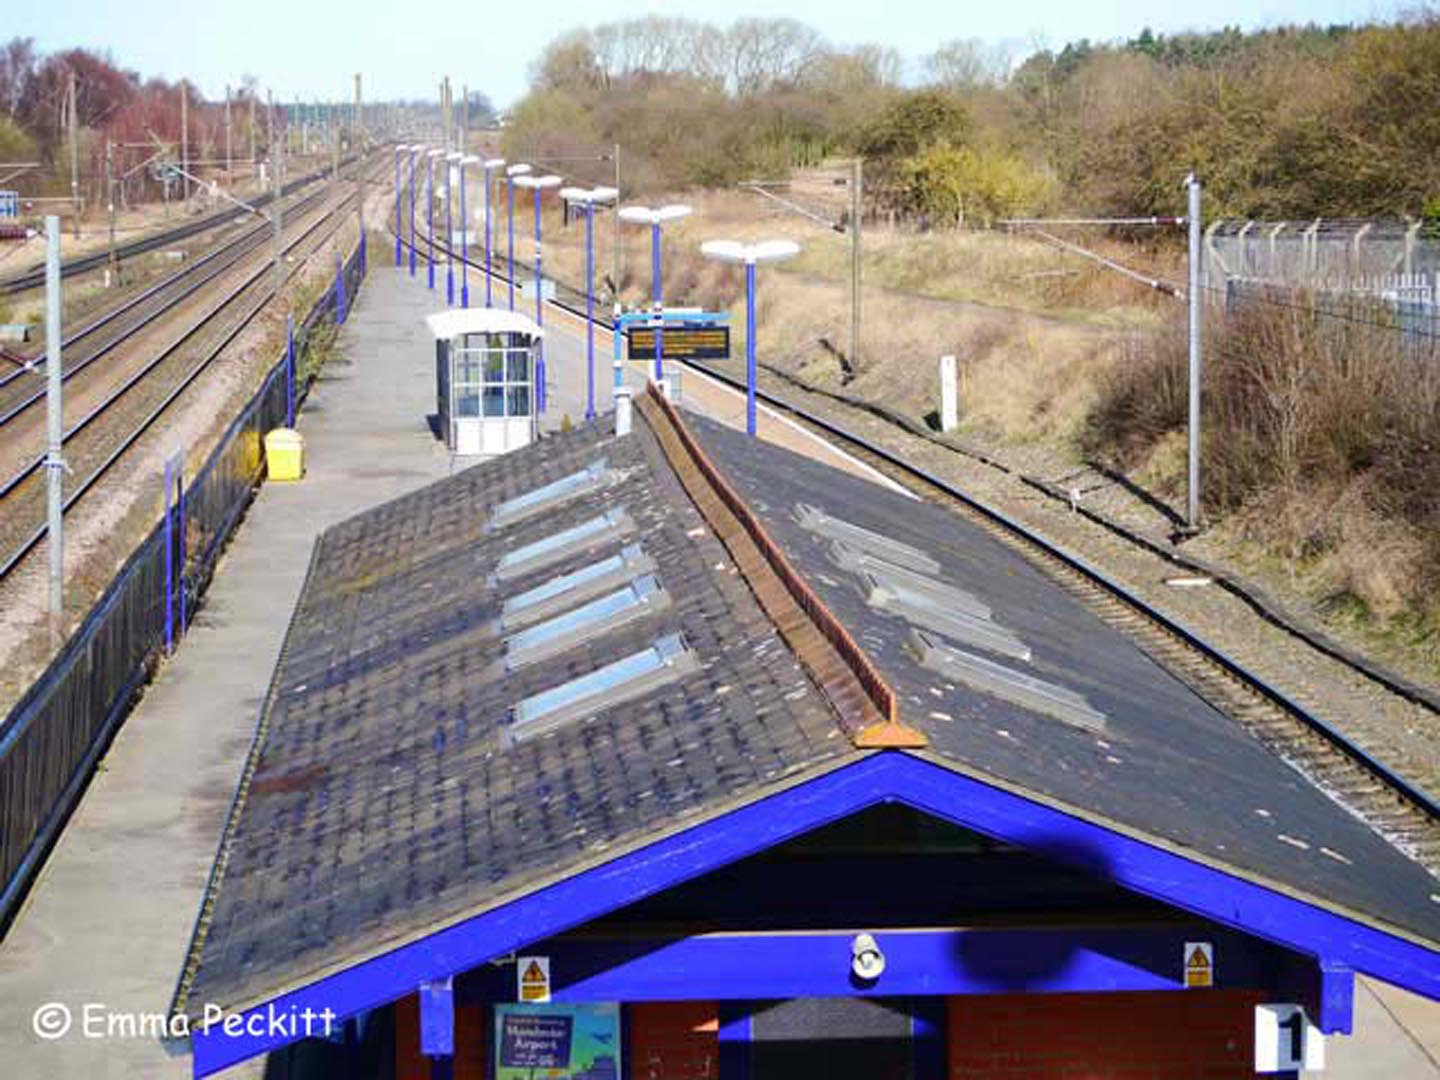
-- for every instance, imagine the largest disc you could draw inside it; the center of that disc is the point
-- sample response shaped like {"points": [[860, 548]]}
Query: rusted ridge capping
{"points": [[880, 726]]}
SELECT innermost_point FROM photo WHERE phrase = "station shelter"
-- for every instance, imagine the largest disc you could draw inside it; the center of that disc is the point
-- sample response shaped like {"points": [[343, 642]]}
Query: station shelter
{"points": [[672, 754], [485, 365]]}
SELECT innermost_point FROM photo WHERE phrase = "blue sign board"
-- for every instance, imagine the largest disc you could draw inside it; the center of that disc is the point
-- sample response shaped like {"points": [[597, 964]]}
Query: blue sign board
{"points": [[9, 204], [574, 1042]]}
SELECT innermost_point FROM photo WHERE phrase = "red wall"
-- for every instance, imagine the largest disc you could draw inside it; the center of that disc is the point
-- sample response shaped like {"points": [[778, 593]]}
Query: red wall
{"points": [[1172, 1035], [677, 1040]]}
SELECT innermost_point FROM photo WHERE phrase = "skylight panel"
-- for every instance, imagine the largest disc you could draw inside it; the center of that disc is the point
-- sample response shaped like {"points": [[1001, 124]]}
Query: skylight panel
{"points": [[997, 680], [878, 544], [625, 680], [931, 609], [561, 545], [887, 573], [639, 598], [591, 478], [577, 586]]}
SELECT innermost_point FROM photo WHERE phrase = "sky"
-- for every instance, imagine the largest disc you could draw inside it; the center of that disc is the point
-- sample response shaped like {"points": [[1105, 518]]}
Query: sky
{"points": [[311, 49]]}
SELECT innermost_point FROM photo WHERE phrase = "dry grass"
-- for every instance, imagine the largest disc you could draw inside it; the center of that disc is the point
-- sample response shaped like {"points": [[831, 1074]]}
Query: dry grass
{"points": [[1319, 457]]}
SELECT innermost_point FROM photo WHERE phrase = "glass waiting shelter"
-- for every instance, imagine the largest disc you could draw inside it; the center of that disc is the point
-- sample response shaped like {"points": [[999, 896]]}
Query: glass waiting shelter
{"points": [[485, 378]]}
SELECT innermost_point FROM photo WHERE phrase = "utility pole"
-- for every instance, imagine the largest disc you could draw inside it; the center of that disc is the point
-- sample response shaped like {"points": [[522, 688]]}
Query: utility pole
{"points": [[229, 145], [113, 273], [252, 135], [857, 207], [184, 141], [465, 119], [277, 158], [74, 155], [1192, 506], [55, 459], [357, 139], [615, 235]]}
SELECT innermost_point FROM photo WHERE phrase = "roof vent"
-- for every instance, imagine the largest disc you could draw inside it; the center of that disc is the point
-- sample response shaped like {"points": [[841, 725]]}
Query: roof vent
{"points": [[548, 496], [878, 544], [566, 590], [559, 546], [639, 598]]}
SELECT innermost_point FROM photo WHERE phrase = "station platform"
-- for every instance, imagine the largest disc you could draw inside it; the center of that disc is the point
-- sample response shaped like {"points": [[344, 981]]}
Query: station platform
{"points": [[105, 928]]}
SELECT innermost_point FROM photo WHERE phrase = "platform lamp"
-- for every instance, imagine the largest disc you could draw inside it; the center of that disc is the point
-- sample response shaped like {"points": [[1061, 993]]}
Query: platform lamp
{"points": [[588, 199], [538, 184], [510, 174], [749, 255], [415, 152], [430, 157], [644, 215], [466, 159], [400, 150], [452, 163], [489, 166]]}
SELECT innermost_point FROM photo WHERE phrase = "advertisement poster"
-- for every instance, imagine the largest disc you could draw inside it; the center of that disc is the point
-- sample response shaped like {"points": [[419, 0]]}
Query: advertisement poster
{"points": [[557, 1042]]}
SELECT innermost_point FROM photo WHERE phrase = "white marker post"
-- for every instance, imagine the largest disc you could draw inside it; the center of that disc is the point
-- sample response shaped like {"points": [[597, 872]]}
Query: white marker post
{"points": [[949, 394]]}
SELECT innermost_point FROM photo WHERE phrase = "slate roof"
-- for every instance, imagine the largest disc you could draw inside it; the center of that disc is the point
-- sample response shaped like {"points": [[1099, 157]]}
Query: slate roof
{"points": [[383, 801], [1167, 765]]}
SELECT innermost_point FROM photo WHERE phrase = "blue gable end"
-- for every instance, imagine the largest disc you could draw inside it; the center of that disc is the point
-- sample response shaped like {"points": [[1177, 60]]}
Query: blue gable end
{"points": [[1341, 944]]}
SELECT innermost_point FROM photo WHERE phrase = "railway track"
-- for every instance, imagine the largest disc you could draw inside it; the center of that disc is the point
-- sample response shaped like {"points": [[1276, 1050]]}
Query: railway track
{"points": [[21, 388], [1401, 811], [34, 279], [96, 443]]}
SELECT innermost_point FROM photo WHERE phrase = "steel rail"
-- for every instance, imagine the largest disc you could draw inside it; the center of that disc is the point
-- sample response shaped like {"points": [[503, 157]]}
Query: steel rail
{"points": [[125, 444], [1341, 742], [35, 278], [236, 250]]}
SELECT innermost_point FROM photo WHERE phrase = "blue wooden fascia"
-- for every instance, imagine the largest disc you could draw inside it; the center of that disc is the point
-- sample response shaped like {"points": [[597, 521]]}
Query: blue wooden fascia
{"points": [[890, 776], [729, 967]]}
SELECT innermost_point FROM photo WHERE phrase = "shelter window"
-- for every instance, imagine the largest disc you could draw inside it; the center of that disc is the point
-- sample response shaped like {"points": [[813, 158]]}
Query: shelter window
{"points": [[624, 680], [551, 494], [911, 558], [561, 545], [639, 598], [579, 585], [997, 680], [493, 375]]}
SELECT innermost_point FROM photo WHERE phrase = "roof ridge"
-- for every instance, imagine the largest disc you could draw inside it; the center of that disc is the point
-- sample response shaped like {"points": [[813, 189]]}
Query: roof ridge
{"points": [[794, 607]]}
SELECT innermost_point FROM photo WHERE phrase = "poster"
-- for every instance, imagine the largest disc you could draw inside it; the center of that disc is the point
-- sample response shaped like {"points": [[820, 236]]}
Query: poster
{"points": [[557, 1042]]}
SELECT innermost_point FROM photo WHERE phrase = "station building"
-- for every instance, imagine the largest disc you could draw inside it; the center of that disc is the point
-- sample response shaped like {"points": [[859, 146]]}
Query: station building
{"points": [[672, 754]]}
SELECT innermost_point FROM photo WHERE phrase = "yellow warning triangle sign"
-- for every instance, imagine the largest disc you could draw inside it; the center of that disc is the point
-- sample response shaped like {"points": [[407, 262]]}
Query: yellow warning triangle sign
{"points": [[533, 974], [1197, 960]]}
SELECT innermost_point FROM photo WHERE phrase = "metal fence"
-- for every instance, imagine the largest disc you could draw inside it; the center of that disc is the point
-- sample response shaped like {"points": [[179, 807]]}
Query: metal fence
{"points": [[53, 737], [1346, 255]]}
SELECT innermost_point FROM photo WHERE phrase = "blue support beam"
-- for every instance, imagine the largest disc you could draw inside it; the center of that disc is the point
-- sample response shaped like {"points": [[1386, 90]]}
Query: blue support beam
{"points": [[885, 777], [437, 1018], [735, 1031], [928, 1039]]}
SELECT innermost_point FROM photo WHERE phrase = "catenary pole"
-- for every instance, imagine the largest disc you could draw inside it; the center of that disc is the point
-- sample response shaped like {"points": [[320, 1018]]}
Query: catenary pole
{"points": [[54, 416]]}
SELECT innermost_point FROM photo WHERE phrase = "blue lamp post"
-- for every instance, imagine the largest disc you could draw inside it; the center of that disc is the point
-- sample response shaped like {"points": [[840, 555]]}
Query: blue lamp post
{"points": [[748, 255], [490, 165], [414, 154], [399, 150], [538, 184], [510, 174], [644, 215], [588, 199], [452, 162], [430, 215], [467, 159]]}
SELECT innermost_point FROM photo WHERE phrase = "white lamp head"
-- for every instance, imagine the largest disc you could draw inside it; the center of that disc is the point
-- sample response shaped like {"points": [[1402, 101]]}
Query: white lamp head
{"points": [[672, 212], [494, 163], [735, 252], [435, 153], [575, 194], [517, 170], [548, 181], [640, 215], [469, 159], [604, 194]]}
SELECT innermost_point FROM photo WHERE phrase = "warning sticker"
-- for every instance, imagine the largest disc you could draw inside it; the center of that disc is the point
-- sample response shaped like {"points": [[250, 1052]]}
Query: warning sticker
{"points": [[534, 977], [1199, 964]]}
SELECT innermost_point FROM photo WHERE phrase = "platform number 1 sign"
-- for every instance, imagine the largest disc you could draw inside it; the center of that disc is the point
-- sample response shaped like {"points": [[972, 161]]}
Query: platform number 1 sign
{"points": [[1286, 1040]]}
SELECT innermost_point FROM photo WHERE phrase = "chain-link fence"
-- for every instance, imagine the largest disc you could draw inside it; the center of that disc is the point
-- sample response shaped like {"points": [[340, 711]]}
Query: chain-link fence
{"points": [[52, 738]]}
